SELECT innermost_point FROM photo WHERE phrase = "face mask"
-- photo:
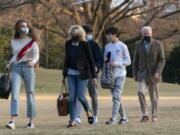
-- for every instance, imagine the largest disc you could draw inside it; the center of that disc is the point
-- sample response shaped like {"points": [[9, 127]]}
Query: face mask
{"points": [[147, 38], [25, 30], [109, 38], [89, 37], [75, 38]]}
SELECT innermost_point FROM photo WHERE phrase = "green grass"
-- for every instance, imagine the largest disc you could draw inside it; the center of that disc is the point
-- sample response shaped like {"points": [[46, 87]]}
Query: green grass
{"points": [[48, 123], [49, 81]]}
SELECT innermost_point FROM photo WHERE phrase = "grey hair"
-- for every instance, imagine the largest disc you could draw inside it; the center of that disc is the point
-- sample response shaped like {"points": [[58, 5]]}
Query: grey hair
{"points": [[80, 30], [146, 28]]}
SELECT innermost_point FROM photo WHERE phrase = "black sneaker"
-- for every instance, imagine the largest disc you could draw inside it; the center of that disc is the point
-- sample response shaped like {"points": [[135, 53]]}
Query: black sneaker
{"points": [[90, 120], [30, 125]]}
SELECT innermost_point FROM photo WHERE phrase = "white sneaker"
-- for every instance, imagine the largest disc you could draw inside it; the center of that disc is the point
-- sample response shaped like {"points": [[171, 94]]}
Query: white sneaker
{"points": [[124, 121], [111, 122], [95, 120], [11, 125], [78, 120], [30, 125]]}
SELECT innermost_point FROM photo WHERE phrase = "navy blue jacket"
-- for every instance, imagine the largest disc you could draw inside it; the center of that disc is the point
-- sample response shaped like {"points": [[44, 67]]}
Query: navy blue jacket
{"points": [[97, 54]]}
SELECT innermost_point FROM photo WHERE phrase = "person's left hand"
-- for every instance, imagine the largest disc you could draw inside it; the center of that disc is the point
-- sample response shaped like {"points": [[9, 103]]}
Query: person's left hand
{"points": [[113, 64], [31, 64], [156, 75]]}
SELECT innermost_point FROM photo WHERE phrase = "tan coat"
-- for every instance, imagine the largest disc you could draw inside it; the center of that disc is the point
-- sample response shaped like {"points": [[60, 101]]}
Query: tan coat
{"points": [[145, 64]]}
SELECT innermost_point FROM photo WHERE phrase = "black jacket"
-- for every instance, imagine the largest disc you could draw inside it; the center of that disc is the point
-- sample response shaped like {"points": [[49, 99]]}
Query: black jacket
{"points": [[85, 62]]}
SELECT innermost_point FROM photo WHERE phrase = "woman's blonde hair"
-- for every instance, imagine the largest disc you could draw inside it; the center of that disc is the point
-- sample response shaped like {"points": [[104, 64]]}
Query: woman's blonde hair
{"points": [[79, 30]]}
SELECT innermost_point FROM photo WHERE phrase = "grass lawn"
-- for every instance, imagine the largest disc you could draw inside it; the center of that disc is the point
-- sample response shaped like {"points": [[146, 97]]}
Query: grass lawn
{"points": [[48, 123], [48, 81]]}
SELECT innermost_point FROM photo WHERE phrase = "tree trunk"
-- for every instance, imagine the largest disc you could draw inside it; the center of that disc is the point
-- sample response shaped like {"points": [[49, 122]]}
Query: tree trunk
{"points": [[47, 48]]}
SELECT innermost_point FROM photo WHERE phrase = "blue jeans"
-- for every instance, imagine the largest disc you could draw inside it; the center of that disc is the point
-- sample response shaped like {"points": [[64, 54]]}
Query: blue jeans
{"points": [[116, 98], [77, 91], [23, 71], [93, 92]]}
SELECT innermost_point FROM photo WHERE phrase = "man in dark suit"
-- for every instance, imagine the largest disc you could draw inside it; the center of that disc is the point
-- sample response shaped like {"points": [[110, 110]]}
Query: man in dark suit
{"points": [[148, 63]]}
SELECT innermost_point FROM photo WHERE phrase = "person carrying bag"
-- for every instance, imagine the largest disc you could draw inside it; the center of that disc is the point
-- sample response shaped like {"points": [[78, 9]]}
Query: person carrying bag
{"points": [[116, 58], [62, 101], [22, 64]]}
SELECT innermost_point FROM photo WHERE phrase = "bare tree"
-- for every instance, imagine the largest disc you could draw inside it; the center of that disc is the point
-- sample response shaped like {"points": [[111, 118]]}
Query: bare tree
{"points": [[98, 14]]}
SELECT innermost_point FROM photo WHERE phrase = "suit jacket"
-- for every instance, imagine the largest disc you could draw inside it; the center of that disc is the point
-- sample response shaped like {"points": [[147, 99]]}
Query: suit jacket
{"points": [[145, 64], [85, 61]]}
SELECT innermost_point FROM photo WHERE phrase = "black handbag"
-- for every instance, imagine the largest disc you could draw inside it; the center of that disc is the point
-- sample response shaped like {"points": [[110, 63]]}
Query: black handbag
{"points": [[62, 101], [5, 85]]}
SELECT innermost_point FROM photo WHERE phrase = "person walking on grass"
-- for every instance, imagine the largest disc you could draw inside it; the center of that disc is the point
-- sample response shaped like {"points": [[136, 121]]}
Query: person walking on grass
{"points": [[118, 59], [92, 88], [79, 67], [25, 56], [148, 63]]}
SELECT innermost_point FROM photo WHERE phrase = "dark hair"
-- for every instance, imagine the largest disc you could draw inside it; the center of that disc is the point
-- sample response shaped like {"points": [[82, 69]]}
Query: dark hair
{"points": [[17, 30], [112, 30], [87, 28]]}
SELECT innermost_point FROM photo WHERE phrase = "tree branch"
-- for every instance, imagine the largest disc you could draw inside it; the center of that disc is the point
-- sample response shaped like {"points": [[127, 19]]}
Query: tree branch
{"points": [[87, 9], [123, 13], [18, 4], [96, 14], [170, 14], [50, 30], [55, 17], [77, 16], [116, 12], [169, 34], [108, 18]]}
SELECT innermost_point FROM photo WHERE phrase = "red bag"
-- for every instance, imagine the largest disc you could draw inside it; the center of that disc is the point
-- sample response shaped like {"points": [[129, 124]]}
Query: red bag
{"points": [[62, 102]]}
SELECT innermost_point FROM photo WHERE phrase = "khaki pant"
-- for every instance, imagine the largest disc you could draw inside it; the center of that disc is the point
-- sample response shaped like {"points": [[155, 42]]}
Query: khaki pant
{"points": [[142, 88]]}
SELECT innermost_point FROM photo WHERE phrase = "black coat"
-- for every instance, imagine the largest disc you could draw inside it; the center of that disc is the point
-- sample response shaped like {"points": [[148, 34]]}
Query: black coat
{"points": [[85, 62], [97, 54]]}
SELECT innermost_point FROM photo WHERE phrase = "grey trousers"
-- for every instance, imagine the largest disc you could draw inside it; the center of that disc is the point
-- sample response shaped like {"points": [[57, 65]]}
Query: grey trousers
{"points": [[142, 87], [93, 92], [116, 98]]}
